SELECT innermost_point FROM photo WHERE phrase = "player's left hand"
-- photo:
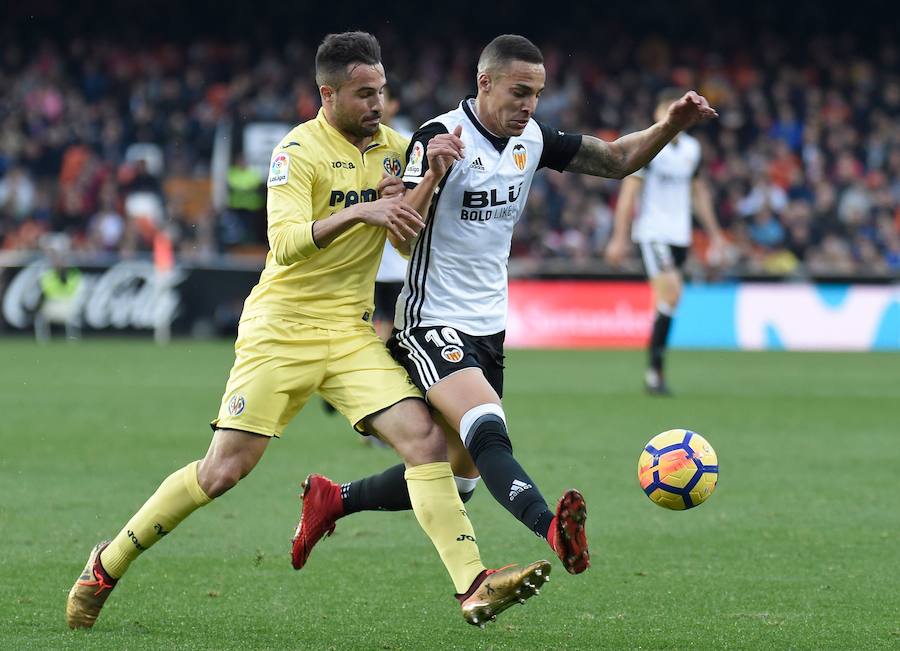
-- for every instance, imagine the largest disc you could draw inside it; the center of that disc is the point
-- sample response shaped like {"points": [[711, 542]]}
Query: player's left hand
{"points": [[689, 110], [390, 186]]}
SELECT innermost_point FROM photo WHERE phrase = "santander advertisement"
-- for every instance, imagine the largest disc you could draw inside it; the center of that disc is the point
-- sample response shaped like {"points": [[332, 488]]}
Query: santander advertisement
{"points": [[578, 314]]}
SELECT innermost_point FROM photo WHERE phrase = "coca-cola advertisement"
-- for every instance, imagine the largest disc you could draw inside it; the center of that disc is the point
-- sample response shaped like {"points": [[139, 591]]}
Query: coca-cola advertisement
{"points": [[132, 296]]}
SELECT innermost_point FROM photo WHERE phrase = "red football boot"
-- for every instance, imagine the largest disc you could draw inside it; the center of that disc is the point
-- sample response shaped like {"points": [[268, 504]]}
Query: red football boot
{"points": [[322, 506], [567, 536]]}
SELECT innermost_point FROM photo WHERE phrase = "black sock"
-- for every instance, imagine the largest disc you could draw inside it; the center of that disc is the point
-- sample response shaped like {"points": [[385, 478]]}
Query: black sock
{"points": [[658, 340], [383, 492], [507, 481]]}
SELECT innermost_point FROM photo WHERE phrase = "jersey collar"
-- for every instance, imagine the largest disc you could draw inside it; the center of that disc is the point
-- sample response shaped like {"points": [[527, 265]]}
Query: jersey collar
{"points": [[498, 142]]}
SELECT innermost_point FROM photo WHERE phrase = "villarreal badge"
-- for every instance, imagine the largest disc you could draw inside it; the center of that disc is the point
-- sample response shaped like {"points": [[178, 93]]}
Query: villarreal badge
{"points": [[392, 166], [236, 405]]}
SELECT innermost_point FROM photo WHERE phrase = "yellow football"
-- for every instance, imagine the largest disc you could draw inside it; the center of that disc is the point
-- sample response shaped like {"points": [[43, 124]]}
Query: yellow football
{"points": [[678, 469]]}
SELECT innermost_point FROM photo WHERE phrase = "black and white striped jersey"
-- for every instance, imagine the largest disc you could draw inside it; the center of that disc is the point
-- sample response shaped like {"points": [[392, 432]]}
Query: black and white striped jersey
{"points": [[457, 273], [664, 213]]}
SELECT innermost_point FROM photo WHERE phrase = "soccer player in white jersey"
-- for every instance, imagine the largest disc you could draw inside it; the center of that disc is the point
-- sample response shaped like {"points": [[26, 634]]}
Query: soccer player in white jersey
{"points": [[665, 191], [469, 170]]}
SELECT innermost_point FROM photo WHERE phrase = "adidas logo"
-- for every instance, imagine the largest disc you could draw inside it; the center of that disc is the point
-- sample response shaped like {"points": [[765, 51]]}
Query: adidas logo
{"points": [[517, 487], [477, 165]]}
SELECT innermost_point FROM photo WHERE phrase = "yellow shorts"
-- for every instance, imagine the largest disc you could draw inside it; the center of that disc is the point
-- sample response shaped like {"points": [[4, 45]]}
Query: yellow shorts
{"points": [[279, 364]]}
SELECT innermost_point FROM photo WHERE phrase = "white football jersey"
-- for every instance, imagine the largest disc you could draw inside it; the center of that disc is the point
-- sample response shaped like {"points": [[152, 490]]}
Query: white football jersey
{"points": [[664, 213], [457, 273], [392, 268]]}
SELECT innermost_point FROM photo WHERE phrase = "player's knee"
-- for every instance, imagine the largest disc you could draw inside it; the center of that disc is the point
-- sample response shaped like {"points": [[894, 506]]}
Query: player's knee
{"points": [[421, 441], [219, 476], [482, 427], [466, 487]]}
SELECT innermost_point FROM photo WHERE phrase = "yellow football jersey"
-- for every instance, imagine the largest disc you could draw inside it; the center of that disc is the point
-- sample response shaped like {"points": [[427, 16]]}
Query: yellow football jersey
{"points": [[315, 172]]}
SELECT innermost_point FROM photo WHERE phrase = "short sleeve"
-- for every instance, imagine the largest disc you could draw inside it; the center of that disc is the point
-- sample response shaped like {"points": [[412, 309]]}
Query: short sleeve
{"points": [[559, 148], [416, 159], [289, 205]]}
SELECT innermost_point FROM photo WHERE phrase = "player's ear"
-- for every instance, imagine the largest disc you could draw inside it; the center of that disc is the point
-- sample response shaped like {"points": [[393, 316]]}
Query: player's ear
{"points": [[484, 82], [327, 93]]}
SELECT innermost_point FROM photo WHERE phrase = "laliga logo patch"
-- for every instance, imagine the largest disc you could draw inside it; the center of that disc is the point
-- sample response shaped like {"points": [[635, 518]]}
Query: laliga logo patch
{"points": [[278, 171], [452, 353], [236, 405], [414, 166], [520, 156], [393, 166]]}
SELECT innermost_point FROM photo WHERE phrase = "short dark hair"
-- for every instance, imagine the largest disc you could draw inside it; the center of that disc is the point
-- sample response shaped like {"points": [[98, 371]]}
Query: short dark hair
{"points": [[507, 48], [337, 51]]}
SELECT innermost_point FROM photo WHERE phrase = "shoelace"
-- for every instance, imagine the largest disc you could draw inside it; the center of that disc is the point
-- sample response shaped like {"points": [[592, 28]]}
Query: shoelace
{"points": [[99, 581]]}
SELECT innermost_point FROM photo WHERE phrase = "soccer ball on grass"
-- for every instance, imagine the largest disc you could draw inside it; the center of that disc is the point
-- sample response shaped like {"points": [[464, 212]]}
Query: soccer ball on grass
{"points": [[678, 469]]}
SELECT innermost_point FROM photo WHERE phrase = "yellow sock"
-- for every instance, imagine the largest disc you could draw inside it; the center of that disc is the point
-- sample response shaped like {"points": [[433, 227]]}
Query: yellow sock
{"points": [[442, 515], [176, 498]]}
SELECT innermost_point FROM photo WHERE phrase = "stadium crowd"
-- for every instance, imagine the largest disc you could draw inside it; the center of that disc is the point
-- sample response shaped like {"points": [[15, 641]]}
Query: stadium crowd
{"points": [[107, 142]]}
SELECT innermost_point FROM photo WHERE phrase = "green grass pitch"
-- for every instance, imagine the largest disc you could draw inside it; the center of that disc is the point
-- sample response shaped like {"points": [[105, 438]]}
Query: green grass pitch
{"points": [[798, 548]]}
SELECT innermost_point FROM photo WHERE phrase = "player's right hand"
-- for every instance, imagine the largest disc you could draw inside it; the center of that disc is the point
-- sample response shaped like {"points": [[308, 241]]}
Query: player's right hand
{"points": [[394, 214], [616, 251], [443, 150]]}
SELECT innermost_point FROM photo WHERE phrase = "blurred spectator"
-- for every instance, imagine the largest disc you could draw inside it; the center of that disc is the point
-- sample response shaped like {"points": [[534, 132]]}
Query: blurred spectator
{"points": [[16, 194], [244, 222], [60, 285]]}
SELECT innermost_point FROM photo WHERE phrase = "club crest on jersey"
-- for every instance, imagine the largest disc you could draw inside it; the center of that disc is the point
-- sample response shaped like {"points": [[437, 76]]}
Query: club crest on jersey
{"points": [[414, 166], [236, 405], [452, 353], [278, 171], [520, 156], [392, 166]]}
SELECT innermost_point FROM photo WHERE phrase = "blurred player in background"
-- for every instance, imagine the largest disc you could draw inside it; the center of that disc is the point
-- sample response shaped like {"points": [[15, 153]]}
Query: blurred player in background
{"points": [[326, 228], [665, 190], [470, 171]]}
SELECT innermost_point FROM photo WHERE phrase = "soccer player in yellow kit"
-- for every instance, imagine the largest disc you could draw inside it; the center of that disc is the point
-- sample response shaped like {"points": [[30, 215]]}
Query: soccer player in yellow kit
{"points": [[334, 194]]}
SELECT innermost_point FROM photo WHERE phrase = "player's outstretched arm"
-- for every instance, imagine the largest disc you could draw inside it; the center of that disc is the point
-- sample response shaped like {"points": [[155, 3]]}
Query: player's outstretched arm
{"points": [[630, 153]]}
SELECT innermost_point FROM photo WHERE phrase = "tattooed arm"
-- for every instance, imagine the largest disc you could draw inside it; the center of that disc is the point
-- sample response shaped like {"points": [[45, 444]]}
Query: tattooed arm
{"points": [[630, 153]]}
